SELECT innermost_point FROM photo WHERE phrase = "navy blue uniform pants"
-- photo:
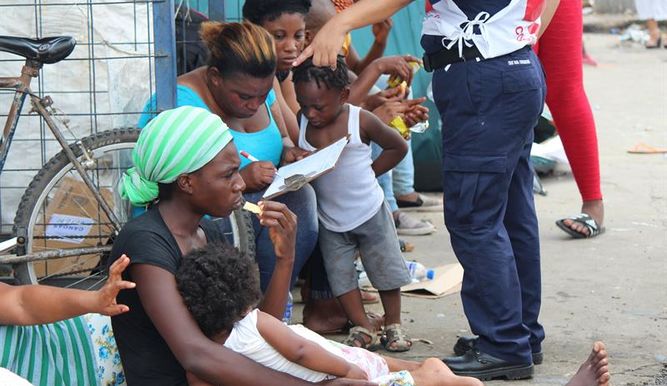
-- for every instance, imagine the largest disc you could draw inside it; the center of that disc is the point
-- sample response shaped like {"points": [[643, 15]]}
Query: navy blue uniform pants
{"points": [[489, 109]]}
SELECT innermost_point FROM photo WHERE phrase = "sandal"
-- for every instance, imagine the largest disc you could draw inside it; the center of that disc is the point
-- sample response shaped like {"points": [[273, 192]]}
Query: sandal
{"points": [[362, 338], [585, 219], [394, 339]]}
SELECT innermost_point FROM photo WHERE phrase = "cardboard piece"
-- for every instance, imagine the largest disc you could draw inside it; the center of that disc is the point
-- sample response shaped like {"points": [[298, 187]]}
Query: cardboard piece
{"points": [[74, 220], [447, 281]]}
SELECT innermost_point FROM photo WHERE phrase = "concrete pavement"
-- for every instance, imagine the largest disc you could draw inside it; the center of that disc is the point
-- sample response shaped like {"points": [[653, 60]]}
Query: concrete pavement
{"points": [[611, 288]]}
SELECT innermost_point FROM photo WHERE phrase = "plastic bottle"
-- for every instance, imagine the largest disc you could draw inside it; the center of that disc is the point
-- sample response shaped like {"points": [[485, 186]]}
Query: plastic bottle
{"points": [[287, 316], [418, 272]]}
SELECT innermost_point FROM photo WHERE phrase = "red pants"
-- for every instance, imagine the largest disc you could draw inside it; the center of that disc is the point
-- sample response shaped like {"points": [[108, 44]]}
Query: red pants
{"points": [[560, 50]]}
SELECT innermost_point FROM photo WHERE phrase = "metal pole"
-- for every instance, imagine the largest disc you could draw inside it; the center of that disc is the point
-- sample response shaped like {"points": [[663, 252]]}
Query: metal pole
{"points": [[216, 10], [165, 54]]}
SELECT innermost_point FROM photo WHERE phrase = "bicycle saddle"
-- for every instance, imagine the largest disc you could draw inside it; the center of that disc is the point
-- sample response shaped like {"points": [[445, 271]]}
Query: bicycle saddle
{"points": [[45, 50]]}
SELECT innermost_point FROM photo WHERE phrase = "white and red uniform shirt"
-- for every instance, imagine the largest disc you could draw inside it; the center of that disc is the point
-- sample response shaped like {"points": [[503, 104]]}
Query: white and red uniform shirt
{"points": [[509, 26]]}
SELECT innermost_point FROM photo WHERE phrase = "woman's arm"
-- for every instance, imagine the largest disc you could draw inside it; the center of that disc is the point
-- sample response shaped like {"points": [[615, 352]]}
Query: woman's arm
{"points": [[547, 15], [329, 39], [282, 224], [302, 351], [393, 65], [197, 354], [393, 145], [381, 33], [281, 111], [39, 304], [289, 94]]}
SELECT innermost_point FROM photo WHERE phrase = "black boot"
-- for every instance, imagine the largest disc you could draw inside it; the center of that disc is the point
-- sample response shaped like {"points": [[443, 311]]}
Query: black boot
{"points": [[486, 367], [465, 343]]}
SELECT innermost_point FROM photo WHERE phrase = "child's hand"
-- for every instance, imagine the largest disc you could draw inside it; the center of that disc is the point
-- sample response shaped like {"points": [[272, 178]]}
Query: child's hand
{"points": [[347, 382], [396, 66], [389, 110], [257, 175], [381, 31], [415, 112], [356, 372], [105, 299], [293, 154], [376, 100]]}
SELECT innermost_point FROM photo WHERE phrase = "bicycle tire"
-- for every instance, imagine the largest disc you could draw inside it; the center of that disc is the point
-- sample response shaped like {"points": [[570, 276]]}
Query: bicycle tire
{"points": [[47, 187]]}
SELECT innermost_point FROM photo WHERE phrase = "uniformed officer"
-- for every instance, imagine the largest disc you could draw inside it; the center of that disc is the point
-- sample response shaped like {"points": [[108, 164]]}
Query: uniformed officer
{"points": [[489, 89]]}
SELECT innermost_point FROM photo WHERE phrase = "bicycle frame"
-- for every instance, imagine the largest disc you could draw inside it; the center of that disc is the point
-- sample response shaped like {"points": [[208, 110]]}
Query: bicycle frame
{"points": [[39, 105]]}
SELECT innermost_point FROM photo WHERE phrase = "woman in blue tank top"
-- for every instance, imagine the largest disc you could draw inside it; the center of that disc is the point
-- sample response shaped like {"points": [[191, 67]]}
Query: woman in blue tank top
{"points": [[237, 86]]}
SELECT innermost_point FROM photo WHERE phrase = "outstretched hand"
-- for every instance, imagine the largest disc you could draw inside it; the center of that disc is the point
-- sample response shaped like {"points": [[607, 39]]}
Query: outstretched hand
{"points": [[397, 66], [325, 46], [106, 296]]}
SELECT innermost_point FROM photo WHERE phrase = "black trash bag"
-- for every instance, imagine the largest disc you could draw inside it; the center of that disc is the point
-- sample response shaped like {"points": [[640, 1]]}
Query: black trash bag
{"points": [[191, 52]]}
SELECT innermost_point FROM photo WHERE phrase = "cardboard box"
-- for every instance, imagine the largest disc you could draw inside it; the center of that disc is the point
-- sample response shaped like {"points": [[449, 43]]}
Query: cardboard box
{"points": [[74, 219]]}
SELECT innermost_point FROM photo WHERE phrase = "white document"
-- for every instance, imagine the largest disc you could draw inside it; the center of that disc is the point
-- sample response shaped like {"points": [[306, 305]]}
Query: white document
{"points": [[69, 229], [310, 167]]}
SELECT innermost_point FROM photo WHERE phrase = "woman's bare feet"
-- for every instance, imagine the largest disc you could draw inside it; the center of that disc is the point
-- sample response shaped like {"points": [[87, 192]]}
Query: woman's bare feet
{"points": [[595, 209], [594, 371], [433, 372], [325, 316]]}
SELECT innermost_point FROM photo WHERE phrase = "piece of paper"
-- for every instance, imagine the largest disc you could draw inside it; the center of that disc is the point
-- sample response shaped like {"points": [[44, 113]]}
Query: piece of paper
{"points": [[68, 228], [310, 167]]}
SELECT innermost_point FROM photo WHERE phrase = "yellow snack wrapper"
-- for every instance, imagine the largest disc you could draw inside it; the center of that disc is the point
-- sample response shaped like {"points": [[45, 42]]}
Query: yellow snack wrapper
{"points": [[397, 81], [399, 124], [250, 207]]}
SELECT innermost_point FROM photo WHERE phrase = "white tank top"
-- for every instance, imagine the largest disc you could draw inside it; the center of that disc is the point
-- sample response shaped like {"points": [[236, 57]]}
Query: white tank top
{"points": [[246, 340], [349, 195], [508, 30]]}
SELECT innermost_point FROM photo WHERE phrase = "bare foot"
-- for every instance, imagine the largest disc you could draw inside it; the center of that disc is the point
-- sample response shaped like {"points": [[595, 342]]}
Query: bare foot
{"points": [[594, 371], [325, 316], [595, 209], [433, 372]]}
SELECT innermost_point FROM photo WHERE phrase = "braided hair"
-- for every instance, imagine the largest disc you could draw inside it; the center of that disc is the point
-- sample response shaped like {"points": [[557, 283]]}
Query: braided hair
{"points": [[332, 79]]}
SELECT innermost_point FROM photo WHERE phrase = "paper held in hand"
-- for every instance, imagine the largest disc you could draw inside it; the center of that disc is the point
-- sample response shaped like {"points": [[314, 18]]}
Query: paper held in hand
{"points": [[295, 175]]}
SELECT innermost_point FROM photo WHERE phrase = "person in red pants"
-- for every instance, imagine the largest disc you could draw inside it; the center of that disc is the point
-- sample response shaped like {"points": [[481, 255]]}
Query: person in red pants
{"points": [[560, 51]]}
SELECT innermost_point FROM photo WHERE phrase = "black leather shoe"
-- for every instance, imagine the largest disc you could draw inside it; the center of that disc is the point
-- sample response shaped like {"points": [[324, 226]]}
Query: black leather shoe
{"points": [[465, 343], [486, 367]]}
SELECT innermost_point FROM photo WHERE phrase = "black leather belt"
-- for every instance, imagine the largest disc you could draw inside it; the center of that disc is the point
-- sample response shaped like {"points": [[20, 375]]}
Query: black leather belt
{"points": [[444, 57]]}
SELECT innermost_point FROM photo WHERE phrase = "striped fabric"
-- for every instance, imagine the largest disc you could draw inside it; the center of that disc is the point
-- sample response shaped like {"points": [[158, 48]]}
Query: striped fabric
{"points": [[177, 141], [51, 354]]}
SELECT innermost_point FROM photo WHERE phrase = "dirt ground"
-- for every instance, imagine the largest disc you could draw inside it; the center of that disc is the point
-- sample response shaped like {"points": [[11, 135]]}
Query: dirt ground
{"points": [[610, 288]]}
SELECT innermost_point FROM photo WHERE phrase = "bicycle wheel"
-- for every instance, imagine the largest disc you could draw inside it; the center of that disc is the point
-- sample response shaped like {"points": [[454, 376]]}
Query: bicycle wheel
{"points": [[58, 212]]}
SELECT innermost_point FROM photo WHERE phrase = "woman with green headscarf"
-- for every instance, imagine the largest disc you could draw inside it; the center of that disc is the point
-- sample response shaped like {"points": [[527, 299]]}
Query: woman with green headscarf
{"points": [[186, 166]]}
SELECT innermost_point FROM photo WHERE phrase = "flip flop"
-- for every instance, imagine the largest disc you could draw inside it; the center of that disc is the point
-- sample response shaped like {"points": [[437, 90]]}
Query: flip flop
{"points": [[584, 219], [642, 148]]}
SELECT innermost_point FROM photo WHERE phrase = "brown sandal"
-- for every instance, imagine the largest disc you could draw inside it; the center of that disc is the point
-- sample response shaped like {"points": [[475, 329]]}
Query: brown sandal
{"points": [[394, 339], [362, 338]]}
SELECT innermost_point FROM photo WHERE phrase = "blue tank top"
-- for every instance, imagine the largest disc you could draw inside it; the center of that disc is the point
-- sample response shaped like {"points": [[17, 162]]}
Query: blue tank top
{"points": [[265, 145]]}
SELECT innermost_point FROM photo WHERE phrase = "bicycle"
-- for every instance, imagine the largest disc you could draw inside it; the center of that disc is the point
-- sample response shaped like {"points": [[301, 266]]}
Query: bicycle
{"points": [[71, 211]]}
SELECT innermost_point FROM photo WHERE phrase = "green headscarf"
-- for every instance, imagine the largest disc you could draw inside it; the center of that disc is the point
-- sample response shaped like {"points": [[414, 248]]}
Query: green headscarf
{"points": [[175, 142]]}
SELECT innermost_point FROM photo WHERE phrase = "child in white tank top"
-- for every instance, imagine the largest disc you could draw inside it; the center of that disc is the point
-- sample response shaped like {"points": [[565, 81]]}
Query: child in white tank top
{"points": [[352, 212], [220, 287]]}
